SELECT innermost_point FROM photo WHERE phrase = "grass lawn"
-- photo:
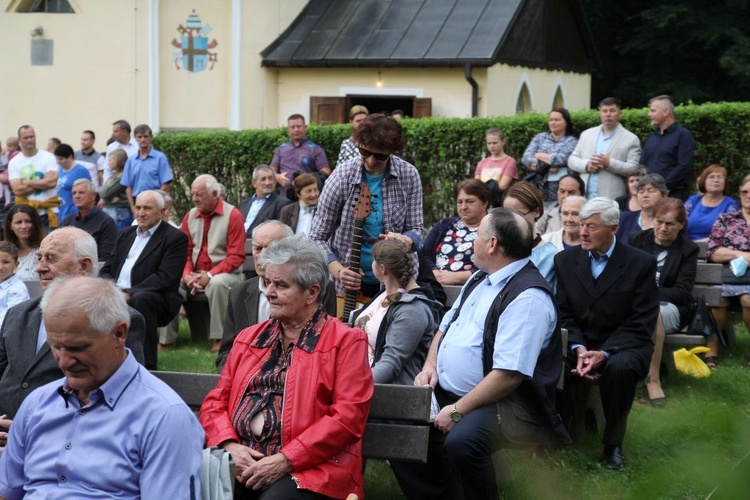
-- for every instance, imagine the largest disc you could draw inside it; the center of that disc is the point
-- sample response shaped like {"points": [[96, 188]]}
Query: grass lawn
{"points": [[698, 446]]}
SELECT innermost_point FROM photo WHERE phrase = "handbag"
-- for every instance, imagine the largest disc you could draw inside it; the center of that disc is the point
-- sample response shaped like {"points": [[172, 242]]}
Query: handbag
{"points": [[702, 321]]}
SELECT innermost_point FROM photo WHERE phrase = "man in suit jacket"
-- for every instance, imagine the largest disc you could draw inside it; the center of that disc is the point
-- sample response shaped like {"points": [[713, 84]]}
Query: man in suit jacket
{"points": [[25, 358], [606, 155], [247, 303], [146, 265], [264, 204], [609, 302]]}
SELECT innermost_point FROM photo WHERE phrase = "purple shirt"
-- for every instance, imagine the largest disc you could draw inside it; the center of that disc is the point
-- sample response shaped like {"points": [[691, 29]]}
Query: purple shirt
{"points": [[290, 159]]}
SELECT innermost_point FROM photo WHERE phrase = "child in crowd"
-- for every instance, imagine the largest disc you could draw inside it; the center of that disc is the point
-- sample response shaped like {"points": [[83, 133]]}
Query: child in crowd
{"points": [[10, 151], [498, 170], [12, 290], [113, 197]]}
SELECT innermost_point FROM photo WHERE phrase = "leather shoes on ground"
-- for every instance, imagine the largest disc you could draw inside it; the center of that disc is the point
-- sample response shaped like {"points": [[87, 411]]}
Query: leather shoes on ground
{"points": [[614, 458], [165, 347]]}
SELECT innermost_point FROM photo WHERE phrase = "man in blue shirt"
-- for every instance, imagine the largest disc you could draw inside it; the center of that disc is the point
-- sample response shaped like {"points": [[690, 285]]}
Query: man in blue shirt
{"points": [[109, 428], [609, 303], [149, 169], [669, 149], [494, 365]]}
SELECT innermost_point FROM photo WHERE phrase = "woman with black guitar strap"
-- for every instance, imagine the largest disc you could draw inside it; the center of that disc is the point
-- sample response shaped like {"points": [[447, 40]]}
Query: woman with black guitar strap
{"points": [[374, 196]]}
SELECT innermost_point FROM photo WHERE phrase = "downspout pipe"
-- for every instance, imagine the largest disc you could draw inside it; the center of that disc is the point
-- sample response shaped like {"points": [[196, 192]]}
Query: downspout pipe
{"points": [[474, 89]]}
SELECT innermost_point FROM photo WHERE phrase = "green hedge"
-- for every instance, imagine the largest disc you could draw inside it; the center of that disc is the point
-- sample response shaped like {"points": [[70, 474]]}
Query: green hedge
{"points": [[444, 150]]}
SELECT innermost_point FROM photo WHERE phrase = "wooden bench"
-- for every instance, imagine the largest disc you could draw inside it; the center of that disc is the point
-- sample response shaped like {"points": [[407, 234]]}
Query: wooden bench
{"points": [[397, 428], [708, 275]]}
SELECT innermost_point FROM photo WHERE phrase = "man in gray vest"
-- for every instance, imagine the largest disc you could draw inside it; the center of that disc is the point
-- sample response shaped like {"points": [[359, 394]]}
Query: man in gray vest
{"points": [[216, 251], [506, 398]]}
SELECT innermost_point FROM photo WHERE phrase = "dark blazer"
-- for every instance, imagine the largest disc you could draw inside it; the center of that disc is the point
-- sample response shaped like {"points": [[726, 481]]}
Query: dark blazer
{"points": [[158, 268], [616, 313], [289, 215], [678, 274], [269, 211], [23, 369], [242, 312]]}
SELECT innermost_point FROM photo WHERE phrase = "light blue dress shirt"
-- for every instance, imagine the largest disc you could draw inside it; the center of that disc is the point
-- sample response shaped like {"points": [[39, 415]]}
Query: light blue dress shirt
{"points": [[142, 174], [602, 144], [523, 330], [135, 439], [12, 291], [255, 206]]}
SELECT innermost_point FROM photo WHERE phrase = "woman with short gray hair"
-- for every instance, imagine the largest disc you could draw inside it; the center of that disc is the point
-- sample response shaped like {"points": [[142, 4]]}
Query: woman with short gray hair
{"points": [[302, 365], [649, 190]]}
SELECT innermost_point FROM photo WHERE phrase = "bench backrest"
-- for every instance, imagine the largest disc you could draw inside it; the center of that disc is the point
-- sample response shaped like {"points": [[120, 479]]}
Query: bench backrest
{"points": [[397, 427]]}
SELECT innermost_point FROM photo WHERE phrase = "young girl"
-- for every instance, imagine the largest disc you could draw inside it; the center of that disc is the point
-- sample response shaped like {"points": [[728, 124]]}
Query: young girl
{"points": [[12, 289], [498, 170], [115, 201], [401, 320]]}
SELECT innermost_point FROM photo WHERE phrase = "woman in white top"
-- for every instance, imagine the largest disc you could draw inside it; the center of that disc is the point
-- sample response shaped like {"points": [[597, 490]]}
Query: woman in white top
{"points": [[569, 234], [299, 215], [25, 229]]}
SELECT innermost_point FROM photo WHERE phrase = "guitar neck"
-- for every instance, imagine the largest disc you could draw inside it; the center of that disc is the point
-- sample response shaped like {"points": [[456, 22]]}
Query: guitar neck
{"points": [[350, 299]]}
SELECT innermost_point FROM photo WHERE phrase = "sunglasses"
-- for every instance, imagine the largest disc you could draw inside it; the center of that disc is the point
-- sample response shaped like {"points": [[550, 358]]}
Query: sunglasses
{"points": [[378, 156]]}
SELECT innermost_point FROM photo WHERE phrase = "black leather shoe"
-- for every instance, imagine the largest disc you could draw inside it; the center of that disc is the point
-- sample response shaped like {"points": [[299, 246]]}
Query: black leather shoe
{"points": [[613, 457]]}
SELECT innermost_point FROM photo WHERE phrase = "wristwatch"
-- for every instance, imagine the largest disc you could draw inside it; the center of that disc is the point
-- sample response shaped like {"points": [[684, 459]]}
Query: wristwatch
{"points": [[455, 414]]}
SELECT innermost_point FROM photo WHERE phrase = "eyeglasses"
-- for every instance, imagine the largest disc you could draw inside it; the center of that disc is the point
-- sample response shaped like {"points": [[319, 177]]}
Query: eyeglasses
{"points": [[378, 156]]}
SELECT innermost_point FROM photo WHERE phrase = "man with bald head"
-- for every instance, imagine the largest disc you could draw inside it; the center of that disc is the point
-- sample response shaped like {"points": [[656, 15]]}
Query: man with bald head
{"points": [[669, 149], [506, 317], [25, 358], [109, 429], [146, 264]]}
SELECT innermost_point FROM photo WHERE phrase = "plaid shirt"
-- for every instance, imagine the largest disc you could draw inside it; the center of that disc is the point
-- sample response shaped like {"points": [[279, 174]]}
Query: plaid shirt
{"points": [[333, 224], [348, 151]]}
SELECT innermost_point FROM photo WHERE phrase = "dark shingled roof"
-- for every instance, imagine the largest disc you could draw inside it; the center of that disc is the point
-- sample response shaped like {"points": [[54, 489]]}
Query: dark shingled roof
{"points": [[549, 34]]}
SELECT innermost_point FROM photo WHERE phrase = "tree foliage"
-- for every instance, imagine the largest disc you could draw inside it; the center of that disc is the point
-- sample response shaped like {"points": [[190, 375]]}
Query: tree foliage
{"points": [[697, 50]]}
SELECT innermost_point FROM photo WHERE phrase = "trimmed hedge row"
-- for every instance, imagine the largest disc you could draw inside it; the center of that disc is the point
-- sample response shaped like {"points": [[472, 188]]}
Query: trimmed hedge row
{"points": [[444, 150]]}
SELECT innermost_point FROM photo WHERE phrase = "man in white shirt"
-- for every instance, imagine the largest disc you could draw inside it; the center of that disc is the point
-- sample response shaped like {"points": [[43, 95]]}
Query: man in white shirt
{"points": [[265, 204], [33, 177], [121, 133], [146, 265]]}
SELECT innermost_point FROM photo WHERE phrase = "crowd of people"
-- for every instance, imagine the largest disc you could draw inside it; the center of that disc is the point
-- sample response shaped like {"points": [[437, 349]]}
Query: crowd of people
{"points": [[599, 239]]}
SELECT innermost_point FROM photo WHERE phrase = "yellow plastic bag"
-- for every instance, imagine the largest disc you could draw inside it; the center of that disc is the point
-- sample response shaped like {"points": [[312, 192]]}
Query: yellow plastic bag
{"points": [[688, 363]]}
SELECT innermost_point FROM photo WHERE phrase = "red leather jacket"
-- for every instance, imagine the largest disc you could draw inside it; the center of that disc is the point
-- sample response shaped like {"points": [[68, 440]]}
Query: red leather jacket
{"points": [[326, 403]]}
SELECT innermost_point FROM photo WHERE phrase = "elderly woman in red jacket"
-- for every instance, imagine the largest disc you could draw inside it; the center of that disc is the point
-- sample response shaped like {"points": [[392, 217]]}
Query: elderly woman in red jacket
{"points": [[293, 398]]}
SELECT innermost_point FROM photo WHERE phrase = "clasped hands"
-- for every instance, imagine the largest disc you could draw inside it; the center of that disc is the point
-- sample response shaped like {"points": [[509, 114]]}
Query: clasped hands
{"points": [[588, 363], [253, 469], [597, 162], [197, 281]]}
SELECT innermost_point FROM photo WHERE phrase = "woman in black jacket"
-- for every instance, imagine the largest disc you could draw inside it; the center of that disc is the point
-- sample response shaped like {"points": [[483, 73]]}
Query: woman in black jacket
{"points": [[676, 263]]}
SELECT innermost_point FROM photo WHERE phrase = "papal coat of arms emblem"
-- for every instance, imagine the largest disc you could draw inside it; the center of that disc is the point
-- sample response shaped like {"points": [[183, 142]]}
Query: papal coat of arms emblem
{"points": [[195, 55]]}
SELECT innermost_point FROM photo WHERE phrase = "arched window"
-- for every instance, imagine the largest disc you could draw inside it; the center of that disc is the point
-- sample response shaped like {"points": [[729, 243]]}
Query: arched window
{"points": [[45, 6], [523, 104], [559, 100]]}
